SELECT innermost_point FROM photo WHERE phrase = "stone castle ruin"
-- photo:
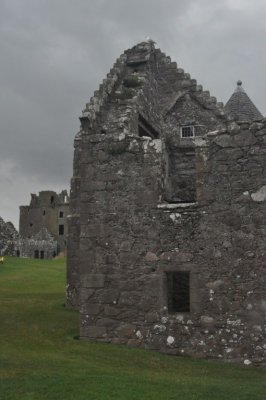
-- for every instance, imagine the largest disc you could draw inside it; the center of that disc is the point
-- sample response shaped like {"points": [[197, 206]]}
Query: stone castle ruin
{"points": [[167, 226], [8, 238], [43, 225]]}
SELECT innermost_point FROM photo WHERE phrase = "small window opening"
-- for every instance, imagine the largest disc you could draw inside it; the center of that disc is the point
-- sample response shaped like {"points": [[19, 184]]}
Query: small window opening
{"points": [[187, 131], [18, 253], [61, 229], [178, 291], [31, 224], [42, 254], [52, 200], [36, 253], [190, 131], [43, 213], [61, 214]]}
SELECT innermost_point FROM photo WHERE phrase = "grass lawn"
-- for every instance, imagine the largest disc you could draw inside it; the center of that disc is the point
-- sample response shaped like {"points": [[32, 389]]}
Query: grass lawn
{"points": [[41, 359]]}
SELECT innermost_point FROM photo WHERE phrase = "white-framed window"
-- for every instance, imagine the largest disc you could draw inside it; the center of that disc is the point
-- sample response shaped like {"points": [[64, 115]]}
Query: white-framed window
{"points": [[187, 131], [190, 131]]}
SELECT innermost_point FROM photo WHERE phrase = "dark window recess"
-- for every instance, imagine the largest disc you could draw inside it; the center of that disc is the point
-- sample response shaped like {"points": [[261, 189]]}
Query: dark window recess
{"points": [[42, 254], [43, 213], [181, 186], [52, 200], [61, 214], [145, 129], [187, 131], [31, 224], [178, 291], [36, 253], [61, 229]]}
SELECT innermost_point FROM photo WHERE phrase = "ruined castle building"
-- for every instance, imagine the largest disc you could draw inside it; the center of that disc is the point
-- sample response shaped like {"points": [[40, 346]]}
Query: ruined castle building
{"points": [[166, 228], [45, 219], [241, 107]]}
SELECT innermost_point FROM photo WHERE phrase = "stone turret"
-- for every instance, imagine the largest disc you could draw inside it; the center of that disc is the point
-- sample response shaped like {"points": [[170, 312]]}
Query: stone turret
{"points": [[241, 107]]}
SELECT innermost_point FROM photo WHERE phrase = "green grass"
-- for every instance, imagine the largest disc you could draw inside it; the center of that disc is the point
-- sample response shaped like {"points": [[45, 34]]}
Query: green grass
{"points": [[40, 359]]}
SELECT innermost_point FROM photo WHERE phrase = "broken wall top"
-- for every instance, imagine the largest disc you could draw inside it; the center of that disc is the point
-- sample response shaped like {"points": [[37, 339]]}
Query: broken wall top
{"points": [[143, 81]]}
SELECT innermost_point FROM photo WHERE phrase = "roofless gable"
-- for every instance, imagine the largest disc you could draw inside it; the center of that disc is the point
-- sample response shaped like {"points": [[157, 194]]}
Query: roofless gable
{"points": [[162, 249]]}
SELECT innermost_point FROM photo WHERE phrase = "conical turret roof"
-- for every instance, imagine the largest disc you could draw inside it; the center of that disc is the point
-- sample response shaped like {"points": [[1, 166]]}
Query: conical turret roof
{"points": [[241, 107]]}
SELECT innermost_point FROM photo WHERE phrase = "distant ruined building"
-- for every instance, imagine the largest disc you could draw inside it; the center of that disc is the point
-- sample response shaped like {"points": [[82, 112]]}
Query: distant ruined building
{"points": [[8, 238], [167, 229], [43, 225]]}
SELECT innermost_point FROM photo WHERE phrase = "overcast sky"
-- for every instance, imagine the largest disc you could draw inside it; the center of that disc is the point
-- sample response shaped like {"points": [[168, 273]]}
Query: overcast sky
{"points": [[55, 53]]}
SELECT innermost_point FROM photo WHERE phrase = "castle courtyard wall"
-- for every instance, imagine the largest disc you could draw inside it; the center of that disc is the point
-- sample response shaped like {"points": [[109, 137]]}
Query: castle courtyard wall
{"points": [[131, 240]]}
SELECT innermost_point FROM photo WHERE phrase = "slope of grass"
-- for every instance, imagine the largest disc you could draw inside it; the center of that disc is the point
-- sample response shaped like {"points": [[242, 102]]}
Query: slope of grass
{"points": [[40, 359]]}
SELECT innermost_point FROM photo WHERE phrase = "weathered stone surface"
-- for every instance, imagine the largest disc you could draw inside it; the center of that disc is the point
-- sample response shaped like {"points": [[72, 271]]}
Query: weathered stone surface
{"points": [[176, 256], [8, 238], [244, 138], [152, 317], [224, 141], [43, 227], [205, 320], [92, 280], [260, 195], [171, 242], [94, 331], [151, 257], [126, 331], [41, 245]]}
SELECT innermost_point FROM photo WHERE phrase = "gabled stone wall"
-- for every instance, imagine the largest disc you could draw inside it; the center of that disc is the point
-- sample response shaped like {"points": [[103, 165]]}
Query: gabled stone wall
{"points": [[149, 208], [129, 240]]}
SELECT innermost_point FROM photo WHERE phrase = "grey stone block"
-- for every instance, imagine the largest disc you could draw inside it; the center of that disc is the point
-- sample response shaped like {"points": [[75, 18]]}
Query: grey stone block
{"points": [[92, 280]]}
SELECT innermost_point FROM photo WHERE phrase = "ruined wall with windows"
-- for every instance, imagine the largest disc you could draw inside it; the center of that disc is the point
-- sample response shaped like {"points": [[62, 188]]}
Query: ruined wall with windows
{"points": [[42, 245], [8, 238], [167, 233], [47, 210]]}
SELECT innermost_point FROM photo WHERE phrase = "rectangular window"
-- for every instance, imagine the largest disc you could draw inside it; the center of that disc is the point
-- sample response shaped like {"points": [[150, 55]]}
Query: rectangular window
{"points": [[61, 229], [36, 253], [61, 214], [178, 291], [42, 254], [187, 131]]}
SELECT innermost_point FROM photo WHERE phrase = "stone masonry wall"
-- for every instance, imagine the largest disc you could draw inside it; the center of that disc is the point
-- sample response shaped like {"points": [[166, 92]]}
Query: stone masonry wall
{"points": [[146, 203], [132, 240], [47, 210]]}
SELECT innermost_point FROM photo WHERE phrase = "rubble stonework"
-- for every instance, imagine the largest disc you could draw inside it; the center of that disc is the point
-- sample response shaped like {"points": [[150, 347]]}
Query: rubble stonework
{"points": [[8, 237], [42, 245], [149, 208], [44, 219]]}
